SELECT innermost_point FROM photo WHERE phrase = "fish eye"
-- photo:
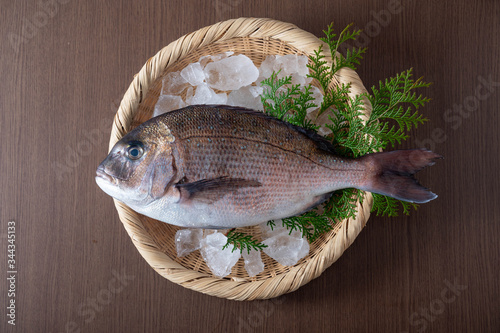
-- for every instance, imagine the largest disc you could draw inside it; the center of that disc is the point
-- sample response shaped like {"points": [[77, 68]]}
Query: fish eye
{"points": [[134, 152]]}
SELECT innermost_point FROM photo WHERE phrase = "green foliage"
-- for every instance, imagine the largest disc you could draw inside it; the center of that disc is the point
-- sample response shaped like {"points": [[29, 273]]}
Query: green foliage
{"points": [[243, 241], [287, 102], [396, 100], [384, 205], [350, 135], [394, 112], [311, 224], [343, 204], [277, 101], [320, 69]]}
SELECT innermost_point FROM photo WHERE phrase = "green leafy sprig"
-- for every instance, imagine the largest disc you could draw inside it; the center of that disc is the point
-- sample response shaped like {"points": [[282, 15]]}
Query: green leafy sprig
{"points": [[395, 107], [242, 241], [287, 102], [396, 100], [387, 206]]}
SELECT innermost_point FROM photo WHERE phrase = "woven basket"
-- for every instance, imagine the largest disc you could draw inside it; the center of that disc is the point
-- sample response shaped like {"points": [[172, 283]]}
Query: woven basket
{"points": [[256, 38]]}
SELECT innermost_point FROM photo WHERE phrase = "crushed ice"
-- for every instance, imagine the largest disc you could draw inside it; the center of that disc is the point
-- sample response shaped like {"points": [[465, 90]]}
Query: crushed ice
{"points": [[253, 262], [284, 246], [187, 241], [231, 79], [218, 260]]}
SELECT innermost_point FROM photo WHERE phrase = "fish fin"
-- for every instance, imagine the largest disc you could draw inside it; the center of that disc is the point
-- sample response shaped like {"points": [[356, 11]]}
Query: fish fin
{"points": [[211, 190], [321, 142], [391, 174]]}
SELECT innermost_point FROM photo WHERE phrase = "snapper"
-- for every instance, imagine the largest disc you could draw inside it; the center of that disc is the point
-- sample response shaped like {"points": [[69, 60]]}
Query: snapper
{"points": [[209, 166]]}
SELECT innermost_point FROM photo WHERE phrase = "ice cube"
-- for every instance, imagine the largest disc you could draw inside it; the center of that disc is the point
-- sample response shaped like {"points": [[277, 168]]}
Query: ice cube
{"points": [[221, 56], [231, 73], [189, 94], [268, 232], [290, 64], [220, 99], [267, 66], [318, 98], [187, 241], [202, 94], [205, 95], [168, 103], [253, 262], [248, 97], [322, 119], [256, 91], [207, 232], [173, 84], [302, 68], [259, 80], [287, 65], [287, 249], [324, 131], [204, 60], [299, 79], [193, 73], [219, 261]]}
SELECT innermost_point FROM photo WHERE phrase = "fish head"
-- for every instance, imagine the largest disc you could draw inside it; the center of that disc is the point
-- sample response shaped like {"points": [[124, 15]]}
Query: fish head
{"points": [[140, 168]]}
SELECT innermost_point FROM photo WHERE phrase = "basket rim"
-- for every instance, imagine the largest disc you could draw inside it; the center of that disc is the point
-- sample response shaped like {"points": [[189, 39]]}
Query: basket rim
{"points": [[234, 288]]}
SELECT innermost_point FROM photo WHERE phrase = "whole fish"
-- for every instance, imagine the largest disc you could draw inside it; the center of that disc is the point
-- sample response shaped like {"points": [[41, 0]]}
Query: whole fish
{"points": [[224, 167]]}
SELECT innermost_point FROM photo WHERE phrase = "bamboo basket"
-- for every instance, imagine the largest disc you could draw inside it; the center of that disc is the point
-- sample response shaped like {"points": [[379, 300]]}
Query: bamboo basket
{"points": [[256, 38]]}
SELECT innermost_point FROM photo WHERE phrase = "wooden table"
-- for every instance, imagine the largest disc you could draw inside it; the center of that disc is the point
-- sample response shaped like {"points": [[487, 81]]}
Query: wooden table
{"points": [[65, 66]]}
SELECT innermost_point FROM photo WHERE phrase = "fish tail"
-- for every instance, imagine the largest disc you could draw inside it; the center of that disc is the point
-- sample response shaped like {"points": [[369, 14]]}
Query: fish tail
{"points": [[391, 174]]}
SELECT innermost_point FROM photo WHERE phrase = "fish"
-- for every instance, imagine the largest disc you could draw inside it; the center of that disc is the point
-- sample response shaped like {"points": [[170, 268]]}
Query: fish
{"points": [[221, 167]]}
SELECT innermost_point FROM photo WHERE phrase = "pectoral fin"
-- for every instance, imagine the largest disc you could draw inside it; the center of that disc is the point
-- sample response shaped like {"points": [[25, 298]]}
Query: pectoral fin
{"points": [[211, 190]]}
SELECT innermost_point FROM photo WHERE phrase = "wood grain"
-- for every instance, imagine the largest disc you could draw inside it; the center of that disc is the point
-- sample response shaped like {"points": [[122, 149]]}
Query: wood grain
{"points": [[65, 66]]}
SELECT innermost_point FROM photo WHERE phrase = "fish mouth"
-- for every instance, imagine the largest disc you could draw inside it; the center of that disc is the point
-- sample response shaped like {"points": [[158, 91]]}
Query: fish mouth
{"points": [[100, 173]]}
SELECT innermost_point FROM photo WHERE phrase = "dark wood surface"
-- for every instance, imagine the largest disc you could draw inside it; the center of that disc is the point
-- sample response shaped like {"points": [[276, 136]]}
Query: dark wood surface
{"points": [[63, 74]]}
